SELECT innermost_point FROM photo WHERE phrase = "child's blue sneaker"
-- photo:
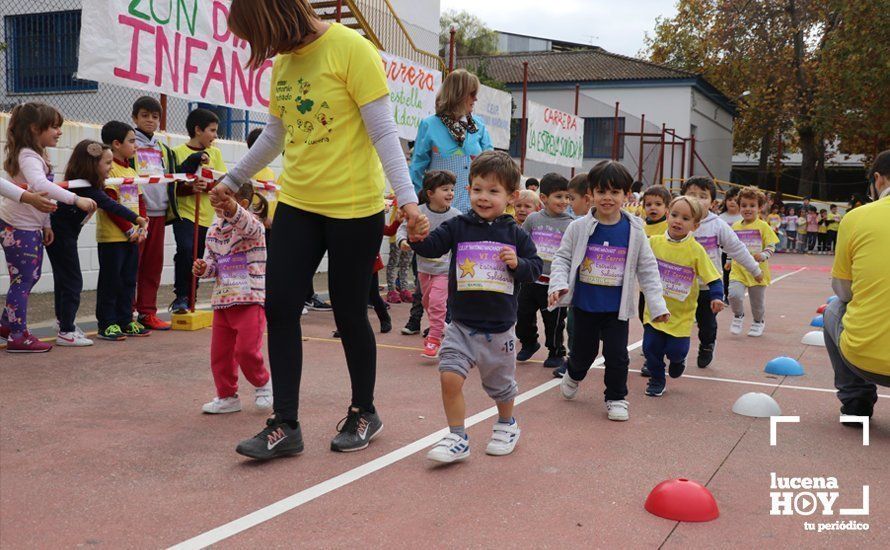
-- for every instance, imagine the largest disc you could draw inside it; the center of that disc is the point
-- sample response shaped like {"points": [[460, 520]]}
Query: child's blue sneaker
{"points": [[655, 389], [451, 448]]}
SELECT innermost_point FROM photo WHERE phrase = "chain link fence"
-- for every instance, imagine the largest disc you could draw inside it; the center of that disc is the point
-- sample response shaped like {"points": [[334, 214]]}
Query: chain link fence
{"points": [[38, 62]]}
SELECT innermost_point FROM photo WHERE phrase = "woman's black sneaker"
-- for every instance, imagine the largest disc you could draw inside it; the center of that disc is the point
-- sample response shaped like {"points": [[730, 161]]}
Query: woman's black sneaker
{"points": [[356, 430], [277, 439]]}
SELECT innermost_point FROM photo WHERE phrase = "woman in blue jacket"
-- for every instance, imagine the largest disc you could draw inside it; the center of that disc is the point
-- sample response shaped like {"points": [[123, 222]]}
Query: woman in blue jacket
{"points": [[453, 137]]}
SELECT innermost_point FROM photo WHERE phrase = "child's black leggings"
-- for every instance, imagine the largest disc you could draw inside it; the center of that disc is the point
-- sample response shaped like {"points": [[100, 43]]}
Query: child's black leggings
{"points": [[300, 240]]}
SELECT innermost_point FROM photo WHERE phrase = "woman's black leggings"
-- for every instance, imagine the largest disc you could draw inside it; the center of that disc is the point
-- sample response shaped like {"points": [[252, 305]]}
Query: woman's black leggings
{"points": [[300, 240], [374, 299]]}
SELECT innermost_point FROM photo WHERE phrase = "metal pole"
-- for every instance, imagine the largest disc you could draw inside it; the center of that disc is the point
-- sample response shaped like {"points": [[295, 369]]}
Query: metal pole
{"points": [[682, 158], [339, 10], [660, 178], [163, 126], [673, 154], [577, 96], [692, 157], [779, 164], [193, 290], [615, 134], [524, 114], [451, 51], [640, 158]]}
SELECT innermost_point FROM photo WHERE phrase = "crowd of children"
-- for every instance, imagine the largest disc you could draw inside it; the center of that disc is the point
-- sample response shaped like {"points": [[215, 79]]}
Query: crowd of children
{"points": [[578, 253]]}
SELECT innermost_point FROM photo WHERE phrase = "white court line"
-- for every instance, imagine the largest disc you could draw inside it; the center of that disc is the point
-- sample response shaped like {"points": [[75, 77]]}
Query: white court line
{"points": [[307, 495]]}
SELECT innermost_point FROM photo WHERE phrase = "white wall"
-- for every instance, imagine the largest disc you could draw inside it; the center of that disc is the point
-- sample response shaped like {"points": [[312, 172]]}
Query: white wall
{"points": [[72, 133]]}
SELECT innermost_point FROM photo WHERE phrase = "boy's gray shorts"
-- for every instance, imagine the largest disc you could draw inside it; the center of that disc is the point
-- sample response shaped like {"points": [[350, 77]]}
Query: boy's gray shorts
{"points": [[493, 354]]}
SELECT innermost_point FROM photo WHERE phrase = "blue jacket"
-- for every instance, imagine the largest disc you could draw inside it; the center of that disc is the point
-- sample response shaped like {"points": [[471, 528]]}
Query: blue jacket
{"points": [[483, 310], [435, 149]]}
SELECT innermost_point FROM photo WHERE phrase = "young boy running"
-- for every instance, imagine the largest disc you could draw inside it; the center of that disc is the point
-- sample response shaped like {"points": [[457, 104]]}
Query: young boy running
{"points": [[489, 255], [713, 234], [594, 270], [546, 228]]}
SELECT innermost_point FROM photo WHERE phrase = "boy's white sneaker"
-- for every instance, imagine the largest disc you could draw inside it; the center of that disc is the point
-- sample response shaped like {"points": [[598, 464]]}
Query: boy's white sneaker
{"points": [[74, 339], [451, 448], [757, 328], [568, 387], [736, 326], [503, 438], [263, 397], [617, 410], [222, 406]]}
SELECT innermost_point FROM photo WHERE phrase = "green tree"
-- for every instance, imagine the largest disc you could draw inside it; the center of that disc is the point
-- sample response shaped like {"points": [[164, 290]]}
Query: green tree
{"points": [[816, 70], [472, 36]]}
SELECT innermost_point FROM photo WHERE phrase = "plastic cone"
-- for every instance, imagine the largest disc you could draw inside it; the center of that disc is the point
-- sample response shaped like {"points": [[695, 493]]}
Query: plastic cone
{"points": [[817, 321], [682, 500], [821, 309], [756, 405], [814, 338], [784, 366]]}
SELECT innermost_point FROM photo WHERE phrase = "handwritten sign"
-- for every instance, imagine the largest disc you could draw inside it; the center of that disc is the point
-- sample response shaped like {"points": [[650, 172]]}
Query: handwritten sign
{"points": [[182, 48], [495, 108], [603, 265], [554, 136], [479, 267], [676, 280], [412, 90]]}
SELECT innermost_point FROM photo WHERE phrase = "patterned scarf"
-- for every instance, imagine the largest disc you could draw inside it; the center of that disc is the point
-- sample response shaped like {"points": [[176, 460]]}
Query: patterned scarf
{"points": [[458, 128]]}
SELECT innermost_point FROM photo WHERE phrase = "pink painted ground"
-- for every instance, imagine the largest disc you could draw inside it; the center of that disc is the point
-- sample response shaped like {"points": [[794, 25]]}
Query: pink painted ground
{"points": [[107, 446]]}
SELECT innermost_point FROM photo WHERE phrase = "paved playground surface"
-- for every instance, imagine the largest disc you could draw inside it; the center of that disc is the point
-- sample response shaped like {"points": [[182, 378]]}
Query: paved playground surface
{"points": [[106, 446]]}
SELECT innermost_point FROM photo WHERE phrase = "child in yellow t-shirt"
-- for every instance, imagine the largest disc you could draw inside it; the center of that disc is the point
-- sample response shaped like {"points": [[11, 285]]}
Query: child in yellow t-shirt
{"points": [[198, 151], [682, 261], [118, 242], [834, 223], [761, 241], [655, 209]]}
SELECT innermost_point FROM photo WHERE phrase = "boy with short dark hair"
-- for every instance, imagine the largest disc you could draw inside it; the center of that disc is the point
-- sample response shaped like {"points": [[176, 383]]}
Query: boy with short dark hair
{"points": [[546, 228], [578, 195], [656, 200], [118, 242], [600, 261], [713, 234], [489, 255], [202, 125], [153, 158]]}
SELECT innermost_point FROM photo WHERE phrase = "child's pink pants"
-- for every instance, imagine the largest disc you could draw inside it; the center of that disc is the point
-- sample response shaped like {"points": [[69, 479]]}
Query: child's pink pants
{"points": [[435, 301], [237, 339]]}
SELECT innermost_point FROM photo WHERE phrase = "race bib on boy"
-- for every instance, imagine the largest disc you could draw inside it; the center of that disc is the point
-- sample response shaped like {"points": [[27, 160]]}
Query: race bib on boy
{"points": [[129, 196], [710, 246], [547, 243], [751, 239], [603, 265], [149, 161], [232, 276], [479, 267], [676, 280]]}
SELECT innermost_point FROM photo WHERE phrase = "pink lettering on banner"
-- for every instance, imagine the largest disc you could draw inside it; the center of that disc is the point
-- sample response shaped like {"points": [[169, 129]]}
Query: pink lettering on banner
{"points": [[162, 51], [676, 280], [189, 68], [220, 18], [138, 26], [397, 71], [561, 119], [217, 72]]}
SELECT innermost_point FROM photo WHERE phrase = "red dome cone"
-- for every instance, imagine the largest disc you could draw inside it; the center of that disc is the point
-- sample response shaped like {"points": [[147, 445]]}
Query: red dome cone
{"points": [[822, 308], [682, 500]]}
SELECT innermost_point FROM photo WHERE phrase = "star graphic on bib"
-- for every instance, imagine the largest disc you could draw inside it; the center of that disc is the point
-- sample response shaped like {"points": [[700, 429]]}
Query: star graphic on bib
{"points": [[587, 265], [467, 268]]}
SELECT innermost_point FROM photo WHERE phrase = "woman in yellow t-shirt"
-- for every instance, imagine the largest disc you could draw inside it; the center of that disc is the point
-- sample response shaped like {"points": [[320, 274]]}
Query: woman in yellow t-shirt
{"points": [[332, 116], [855, 323]]}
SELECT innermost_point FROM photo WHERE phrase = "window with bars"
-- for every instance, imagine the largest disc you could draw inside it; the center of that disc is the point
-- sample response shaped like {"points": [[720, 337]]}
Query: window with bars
{"points": [[42, 53], [598, 137]]}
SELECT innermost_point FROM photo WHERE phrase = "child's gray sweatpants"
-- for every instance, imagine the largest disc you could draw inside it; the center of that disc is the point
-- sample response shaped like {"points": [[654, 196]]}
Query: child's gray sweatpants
{"points": [[737, 299], [493, 354]]}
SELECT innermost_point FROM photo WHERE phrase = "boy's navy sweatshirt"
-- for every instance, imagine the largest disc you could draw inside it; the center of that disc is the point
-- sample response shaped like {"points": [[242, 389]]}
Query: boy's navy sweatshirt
{"points": [[70, 218], [485, 311]]}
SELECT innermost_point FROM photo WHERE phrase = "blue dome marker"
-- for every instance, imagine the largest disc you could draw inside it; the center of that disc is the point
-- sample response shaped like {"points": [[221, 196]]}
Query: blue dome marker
{"points": [[784, 366], [817, 321]]}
